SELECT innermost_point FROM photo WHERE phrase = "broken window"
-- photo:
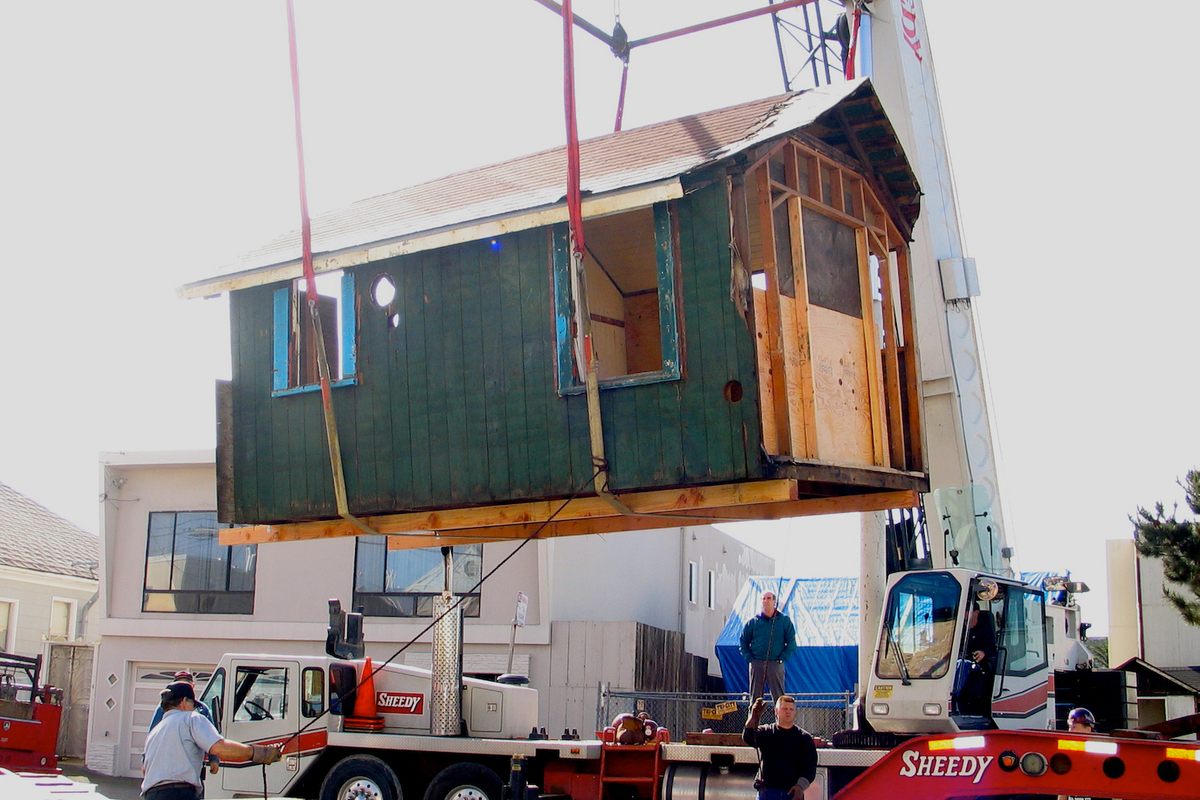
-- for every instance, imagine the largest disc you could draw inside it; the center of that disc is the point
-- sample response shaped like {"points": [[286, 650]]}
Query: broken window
{"points": [[295, 365], [629, 270]]}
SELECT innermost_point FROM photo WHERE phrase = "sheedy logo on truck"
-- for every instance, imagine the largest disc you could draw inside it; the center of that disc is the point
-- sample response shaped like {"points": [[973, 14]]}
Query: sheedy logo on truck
{"points": [[919, 766], [400, 702]]}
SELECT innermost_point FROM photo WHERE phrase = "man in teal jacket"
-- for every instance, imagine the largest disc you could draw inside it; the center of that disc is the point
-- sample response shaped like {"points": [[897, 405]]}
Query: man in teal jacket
{"points": [[767, 641]]}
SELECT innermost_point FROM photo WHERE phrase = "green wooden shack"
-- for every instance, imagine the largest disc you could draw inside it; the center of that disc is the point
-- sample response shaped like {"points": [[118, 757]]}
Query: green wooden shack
{"points": [[749, 297]]}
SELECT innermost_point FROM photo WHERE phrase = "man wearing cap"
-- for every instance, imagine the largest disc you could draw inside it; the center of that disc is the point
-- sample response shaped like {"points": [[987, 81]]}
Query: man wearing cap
{"points": [[767, 641], [186, 677], [175, 750]]}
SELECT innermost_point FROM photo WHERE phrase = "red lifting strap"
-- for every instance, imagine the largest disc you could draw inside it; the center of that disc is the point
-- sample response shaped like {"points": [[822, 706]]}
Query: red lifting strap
{"points": [[853, 49], [574, 201]]}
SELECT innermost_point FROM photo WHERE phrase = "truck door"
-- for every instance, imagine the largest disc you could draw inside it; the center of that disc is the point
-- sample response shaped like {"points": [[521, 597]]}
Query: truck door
{"points": [[263, 707], [1022, 669]]}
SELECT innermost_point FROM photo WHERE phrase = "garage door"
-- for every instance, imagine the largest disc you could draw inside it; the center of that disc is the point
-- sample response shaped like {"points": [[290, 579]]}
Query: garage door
{"points": [[148, 681]]}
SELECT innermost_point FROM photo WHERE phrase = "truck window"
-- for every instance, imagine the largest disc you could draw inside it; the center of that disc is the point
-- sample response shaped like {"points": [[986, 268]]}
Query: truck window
{"points": [[919, 627], [214, 697], [261, 694], [1024, 633], [313, 685]]}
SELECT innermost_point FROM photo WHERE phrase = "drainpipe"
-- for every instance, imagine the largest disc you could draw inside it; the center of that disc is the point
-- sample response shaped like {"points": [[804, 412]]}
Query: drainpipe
{"points": [[81, 617]]}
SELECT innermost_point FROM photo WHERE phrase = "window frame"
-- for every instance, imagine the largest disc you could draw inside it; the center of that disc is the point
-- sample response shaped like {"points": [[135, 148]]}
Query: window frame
{"points": [[217, 526], [712, 590], [9, 643], [72, 611], [693, 587], [472, 606], [285, 320], [669, 312]]}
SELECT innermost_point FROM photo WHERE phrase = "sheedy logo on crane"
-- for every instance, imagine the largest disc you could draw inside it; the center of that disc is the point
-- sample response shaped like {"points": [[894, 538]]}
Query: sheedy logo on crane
{"points": [[400, 702], [908, 14], [919, 766]]}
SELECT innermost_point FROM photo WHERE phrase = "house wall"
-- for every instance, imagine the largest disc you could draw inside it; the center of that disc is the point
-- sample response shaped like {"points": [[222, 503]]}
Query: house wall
{"points": [[31, 595], [1138, 610], [597, 588], [457, 405]]}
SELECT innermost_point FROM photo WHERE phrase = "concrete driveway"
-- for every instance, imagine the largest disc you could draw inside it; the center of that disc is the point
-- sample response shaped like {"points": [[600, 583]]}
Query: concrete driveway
{"points": [[107, 787]]}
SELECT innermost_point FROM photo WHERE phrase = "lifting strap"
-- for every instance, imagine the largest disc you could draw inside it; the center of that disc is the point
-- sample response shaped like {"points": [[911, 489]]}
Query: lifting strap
{"points": [[310, 296], [852, 51]]}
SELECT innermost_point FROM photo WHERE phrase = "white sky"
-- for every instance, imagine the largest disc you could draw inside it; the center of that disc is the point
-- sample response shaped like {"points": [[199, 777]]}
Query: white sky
{"points": [[147, 143]]}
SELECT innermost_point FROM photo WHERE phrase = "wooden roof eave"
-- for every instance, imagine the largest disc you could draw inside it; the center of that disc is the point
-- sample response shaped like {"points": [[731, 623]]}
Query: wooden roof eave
{"points": [[616, 201]]}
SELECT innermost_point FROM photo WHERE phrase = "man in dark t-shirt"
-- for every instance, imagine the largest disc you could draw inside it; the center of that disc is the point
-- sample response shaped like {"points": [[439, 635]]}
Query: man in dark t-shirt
{"points": [[787, 755]]}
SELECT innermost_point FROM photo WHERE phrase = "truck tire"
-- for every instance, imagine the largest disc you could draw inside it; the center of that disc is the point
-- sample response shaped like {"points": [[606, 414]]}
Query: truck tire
{"points": [[361, 778], [464, 781]]}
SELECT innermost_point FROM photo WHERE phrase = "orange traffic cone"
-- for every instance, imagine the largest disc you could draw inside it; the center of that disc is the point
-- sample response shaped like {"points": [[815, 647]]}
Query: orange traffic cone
{"points": [[365, 716]]}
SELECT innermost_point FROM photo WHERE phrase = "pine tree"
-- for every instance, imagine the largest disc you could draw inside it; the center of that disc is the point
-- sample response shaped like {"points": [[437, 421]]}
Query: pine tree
{"points": [[1177, 544]]}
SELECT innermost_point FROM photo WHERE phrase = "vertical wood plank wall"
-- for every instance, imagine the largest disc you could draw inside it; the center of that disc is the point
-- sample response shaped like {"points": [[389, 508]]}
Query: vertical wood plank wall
{"points": [[457, 404]]}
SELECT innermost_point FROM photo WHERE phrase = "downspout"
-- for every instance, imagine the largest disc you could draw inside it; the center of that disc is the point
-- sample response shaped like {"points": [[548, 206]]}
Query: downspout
{"points": [[81, 618]]}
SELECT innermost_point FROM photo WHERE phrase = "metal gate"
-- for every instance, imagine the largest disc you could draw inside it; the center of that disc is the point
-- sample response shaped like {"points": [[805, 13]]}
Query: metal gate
{"points": [[721, 712], [69, 668]]}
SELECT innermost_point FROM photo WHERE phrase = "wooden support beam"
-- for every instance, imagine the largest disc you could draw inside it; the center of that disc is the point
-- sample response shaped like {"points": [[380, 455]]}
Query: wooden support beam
{"points": [[806, 416], [891, 355], [775, 339], [875, 501], [660, 501], [871, 347], [912, 370]]}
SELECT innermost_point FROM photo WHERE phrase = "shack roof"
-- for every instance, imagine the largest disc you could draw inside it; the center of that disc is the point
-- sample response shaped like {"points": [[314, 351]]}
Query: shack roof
{"points": [[620, 171], [32, 537]]}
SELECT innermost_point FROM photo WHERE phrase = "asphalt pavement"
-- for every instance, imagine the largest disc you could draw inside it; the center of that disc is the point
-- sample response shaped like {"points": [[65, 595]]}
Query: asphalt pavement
{"points": [[107, 787]]}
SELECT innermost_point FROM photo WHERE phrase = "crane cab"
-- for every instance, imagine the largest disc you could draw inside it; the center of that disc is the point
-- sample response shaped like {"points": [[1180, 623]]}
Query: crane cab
{"points": [[959, 650]]}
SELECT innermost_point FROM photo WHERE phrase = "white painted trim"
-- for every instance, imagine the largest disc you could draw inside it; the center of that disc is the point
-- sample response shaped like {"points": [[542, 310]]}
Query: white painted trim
{"points": [[473, 230], [72, 616], [157, 458], [252, 629], [10, 640], [52, 580]]}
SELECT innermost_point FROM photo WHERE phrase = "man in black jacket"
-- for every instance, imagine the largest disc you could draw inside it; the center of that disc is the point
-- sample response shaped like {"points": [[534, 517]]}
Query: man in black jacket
{"points": [[787, 755]]}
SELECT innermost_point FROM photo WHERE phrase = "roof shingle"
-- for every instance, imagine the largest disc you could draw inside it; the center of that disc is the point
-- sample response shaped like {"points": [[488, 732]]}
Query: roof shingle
{"points": [[33, 537]]}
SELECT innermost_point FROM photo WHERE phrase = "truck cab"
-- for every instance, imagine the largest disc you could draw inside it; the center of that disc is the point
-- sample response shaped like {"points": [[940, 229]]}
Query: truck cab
{"points": [[959, 650]]}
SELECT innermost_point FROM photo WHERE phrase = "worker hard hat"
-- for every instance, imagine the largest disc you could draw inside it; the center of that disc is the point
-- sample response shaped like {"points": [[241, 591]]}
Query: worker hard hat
{"points": [[1082, 715]]}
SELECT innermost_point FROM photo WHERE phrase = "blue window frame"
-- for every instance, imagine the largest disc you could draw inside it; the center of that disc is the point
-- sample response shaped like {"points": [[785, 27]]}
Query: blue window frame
{"points": [[631, 286], [294, 367]]}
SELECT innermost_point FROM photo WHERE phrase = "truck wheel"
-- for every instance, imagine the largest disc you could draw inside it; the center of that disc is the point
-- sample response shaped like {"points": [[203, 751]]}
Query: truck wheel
{"points": [[361, 778], [464, 782]]}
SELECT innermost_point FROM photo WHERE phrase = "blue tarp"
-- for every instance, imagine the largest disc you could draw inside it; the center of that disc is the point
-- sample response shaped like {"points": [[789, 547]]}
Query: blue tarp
{"points": [[825, 613]]}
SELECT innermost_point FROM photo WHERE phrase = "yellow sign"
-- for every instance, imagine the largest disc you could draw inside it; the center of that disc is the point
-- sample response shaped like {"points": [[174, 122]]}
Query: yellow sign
{"points": [[718, 711], [883, 691]]}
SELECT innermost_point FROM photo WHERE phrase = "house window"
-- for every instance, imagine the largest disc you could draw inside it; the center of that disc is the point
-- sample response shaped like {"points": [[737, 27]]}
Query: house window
{"points": [[294, 348], [629, 272], [8, 621], [712, 589], [403, 583], [62, 619], [693, 582], [189, 571]]}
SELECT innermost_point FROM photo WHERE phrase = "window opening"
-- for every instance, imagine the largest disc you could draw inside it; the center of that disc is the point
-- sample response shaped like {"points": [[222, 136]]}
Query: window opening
{"points": [[61, 612], [214, 697], [629, 267], [260, 693], [919, 625], [404, 583], [7, 614], [313, 687], [295, 351], [693, 580], [189, 571], [712, 589]]}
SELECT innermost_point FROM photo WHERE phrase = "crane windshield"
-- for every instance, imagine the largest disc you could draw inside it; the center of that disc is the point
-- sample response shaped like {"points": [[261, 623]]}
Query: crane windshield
{"points": [[918, 627]]}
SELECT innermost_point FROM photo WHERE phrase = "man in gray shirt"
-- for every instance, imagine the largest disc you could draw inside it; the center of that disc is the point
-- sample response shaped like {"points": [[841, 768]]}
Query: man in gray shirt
{"points": [[175, 749]]}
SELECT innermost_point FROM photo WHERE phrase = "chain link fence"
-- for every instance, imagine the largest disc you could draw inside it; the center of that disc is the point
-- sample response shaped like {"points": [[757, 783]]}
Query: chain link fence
{"points": [[682, 712]]}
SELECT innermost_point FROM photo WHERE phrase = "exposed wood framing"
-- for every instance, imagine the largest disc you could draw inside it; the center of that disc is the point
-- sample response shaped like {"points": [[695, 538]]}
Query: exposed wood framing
{"points": [[891, 355], [807, 416], [871, 349], [642, 504], [912, 373], [776, 340]]}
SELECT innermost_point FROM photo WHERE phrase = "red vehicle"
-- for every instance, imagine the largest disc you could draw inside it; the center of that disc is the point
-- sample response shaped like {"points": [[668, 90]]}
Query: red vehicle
{"points": [[30, 715]]}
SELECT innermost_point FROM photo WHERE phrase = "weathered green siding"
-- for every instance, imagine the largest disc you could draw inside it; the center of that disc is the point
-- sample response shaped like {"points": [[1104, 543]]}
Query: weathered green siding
{"points": [[457, 405]]}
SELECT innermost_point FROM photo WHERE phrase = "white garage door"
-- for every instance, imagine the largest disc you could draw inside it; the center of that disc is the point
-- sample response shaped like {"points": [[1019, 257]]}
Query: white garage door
{"points": [[148, 681]]}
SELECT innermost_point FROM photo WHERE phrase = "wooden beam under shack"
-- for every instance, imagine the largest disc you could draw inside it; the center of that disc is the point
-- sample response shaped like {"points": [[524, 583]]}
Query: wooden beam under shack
{"points": [[877, 501], [661, 501]]}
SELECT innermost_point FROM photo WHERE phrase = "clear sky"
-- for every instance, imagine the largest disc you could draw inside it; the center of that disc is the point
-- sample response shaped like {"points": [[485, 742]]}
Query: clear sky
{"points": [[145, 144]]}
